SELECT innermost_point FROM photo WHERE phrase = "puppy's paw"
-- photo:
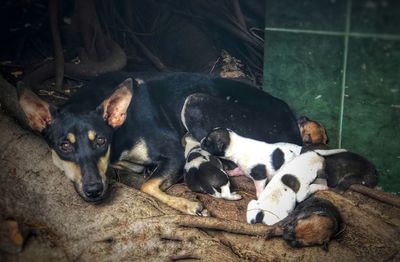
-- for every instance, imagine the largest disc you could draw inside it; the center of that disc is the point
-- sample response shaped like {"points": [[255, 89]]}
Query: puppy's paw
{"points": [[233, 196]]}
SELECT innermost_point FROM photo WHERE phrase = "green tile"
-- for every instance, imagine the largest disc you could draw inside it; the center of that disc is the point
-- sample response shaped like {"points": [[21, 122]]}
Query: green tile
{"points": [[374, 70], [371, 124], [375, 16], [373, 131], [305, 71], [310, 15]]}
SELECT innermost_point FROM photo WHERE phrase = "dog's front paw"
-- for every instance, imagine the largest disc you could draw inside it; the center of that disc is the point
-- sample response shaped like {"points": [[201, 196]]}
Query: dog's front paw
{"points": [[193, 208]]}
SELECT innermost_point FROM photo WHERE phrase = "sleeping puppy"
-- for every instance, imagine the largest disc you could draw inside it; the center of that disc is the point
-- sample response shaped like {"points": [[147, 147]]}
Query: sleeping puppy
{"points": [[347, 168], [311, 131], [258, 160], [313, 222], [292, 183], [204, 173]]}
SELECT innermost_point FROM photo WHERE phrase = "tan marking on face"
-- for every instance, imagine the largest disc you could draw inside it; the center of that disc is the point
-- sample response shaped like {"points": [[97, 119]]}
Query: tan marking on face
{"points": [[138, 153], [102, 165], [313, 132], [71, 170], [91, 135], [71, 138]]}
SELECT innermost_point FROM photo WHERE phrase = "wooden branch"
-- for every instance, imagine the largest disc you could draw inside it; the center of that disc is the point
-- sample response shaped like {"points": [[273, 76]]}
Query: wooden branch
{"points": [[229, 226], [238, 13], [378, 195], [115, 61], [153, 58], [53, 8], [9, 102]]}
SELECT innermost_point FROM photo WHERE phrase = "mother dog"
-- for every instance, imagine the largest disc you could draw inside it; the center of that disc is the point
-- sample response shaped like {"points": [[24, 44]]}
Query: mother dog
{"points": [[131, 123]]}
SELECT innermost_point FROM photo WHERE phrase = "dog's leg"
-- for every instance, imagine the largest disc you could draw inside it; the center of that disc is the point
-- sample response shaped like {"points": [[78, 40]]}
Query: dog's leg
{"points": [[260, 185], [306, 192], [152, 187], [162, 177], [227, 194]]}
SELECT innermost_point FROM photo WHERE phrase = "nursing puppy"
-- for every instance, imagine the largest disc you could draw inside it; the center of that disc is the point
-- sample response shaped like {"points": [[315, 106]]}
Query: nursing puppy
{"points": [[311, 131], [292, 183], [204, 173], [258, 160], [347, 168]]}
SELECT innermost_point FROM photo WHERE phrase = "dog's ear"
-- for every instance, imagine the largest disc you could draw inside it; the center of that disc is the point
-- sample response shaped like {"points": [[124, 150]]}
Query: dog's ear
{"points": [[37, 111], [115, 107]]}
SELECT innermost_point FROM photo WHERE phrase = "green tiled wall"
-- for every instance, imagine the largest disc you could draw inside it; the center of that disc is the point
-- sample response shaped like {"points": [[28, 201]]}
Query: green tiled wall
{"points": [[338, 62]]}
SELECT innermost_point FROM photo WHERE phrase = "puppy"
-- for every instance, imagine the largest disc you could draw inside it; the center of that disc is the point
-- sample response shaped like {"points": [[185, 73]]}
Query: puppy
{"points": [[313, 222], [292, 183], [258, 160], [204, 173], [311, 131], [347, 168]]}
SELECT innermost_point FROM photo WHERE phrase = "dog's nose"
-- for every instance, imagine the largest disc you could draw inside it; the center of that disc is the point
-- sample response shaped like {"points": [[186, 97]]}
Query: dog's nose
{"points": [[93, 190]]}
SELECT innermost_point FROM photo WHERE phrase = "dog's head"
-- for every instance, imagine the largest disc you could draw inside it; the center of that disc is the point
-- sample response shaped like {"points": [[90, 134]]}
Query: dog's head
{"points": [[80, 140], [311, 131], [217, 141]]}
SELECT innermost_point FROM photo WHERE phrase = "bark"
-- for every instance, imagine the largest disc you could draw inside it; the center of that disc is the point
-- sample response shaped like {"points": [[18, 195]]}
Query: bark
{"points": [[99, 54], [53, 7]]}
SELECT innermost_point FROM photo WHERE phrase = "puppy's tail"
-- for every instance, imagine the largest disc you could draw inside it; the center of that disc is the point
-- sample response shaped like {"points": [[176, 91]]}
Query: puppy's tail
{"points": [[328, 152]]}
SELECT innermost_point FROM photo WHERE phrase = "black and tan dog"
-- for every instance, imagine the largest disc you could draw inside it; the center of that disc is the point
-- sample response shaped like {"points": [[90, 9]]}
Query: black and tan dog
{"points": [[135, 124]]}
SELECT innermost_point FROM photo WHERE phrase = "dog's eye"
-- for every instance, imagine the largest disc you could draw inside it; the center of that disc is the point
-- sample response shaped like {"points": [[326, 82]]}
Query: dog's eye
{"points": [[100, 141], [66, 147]]}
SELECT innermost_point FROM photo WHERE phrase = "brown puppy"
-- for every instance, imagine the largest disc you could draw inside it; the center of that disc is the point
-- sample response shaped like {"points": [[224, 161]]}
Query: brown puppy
{"points": [[311, 131], [313, 222]]}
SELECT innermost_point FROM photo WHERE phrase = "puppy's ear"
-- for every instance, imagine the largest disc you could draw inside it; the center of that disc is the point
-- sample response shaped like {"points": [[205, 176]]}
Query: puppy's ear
{"points": [[115, 107], [37, 111], [221, 144], [302, 120], [325, 138]]}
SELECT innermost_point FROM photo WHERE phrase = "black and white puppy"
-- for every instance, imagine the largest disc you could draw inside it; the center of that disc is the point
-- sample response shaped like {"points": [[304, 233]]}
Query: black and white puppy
{"points": [[204, 173], [292, 183], [258, 160]]}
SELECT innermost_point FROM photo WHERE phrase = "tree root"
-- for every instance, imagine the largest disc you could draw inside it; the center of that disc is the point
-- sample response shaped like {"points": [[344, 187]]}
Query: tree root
{"points": [[384, 197]]}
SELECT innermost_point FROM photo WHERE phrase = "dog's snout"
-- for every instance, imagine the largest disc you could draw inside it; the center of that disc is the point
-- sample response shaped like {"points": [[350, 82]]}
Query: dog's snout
{"points": [[93, 190]]}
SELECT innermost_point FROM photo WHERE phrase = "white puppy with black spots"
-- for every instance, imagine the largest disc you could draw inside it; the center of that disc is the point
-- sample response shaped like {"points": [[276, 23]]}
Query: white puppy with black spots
{"points": [[204, 173], [258, 160], [292, 183]]}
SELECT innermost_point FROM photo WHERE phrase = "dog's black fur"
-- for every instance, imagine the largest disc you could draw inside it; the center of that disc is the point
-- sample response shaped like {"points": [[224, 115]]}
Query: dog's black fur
{"points": [[345, 169], [204, 172], [140, 121]]}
